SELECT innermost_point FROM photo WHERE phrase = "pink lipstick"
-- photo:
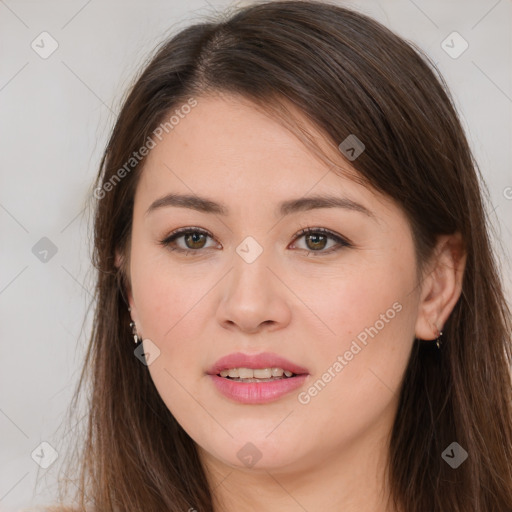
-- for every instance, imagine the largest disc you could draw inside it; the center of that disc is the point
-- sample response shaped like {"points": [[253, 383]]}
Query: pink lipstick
{"points": [[273, 378]]}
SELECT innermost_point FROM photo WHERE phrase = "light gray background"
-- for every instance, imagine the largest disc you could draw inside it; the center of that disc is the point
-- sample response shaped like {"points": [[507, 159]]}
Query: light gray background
{"points": [[56, 114]]}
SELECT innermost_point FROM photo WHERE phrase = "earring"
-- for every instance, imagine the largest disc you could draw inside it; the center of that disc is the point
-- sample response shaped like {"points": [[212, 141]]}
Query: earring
{"points": [[438, 339], [134, 332]]}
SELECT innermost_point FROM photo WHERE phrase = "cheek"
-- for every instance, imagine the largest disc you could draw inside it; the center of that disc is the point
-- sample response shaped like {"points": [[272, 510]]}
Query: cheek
{"points": [[162, 294], [170, 310], [173, 307], [365, 335], [348, 303]]}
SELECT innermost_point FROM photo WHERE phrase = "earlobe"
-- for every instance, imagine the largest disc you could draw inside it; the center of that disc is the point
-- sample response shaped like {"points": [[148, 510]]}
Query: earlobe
{"points": [[131, 305], [132, 310], [118, 262], [442, 286]]}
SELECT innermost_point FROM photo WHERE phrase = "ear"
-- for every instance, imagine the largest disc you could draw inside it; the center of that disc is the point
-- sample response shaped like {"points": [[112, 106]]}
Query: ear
{"points": [[120, 265], [441, 288]]}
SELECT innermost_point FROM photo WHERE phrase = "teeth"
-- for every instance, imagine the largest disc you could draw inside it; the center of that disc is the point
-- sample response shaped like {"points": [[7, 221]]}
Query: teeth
{"points": [[259, 373], [245, 373]]}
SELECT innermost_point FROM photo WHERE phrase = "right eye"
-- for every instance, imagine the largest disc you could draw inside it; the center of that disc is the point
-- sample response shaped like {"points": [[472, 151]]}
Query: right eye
{"points": [[194, 240]]}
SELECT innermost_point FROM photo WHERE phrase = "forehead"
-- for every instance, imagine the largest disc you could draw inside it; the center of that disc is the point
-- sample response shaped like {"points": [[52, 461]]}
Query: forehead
{"points": [[227, 132], [227, 146]]}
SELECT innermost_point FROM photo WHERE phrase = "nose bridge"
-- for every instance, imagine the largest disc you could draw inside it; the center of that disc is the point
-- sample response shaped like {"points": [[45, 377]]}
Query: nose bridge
{"points": [[250, 273], [253, 296]]}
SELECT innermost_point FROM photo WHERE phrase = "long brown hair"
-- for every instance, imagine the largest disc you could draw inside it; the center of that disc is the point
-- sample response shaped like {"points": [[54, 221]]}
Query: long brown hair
{"points": [[349, 75]]}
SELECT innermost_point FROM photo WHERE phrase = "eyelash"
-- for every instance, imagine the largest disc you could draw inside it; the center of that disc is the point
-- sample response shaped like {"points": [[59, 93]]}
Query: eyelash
{"points": [[342, 242]]}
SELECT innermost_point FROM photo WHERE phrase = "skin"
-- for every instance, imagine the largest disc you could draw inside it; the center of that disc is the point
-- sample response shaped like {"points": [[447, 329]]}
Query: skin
{"points": [[330, 453]]}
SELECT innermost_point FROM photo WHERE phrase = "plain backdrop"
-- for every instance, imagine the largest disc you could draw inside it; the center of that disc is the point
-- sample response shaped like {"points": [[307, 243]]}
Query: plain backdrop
{"points": [[56, 112]]}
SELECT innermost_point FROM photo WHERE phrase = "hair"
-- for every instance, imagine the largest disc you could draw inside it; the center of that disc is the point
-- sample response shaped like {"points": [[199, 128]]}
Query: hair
{"points": [[347, 74]]}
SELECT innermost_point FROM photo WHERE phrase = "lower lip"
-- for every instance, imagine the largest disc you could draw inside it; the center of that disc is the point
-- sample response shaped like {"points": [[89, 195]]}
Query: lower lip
{"points": [[257, 392]]}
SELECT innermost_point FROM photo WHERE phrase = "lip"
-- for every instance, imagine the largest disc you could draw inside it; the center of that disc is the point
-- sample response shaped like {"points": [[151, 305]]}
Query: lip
{"points": [[254, 361], [257, 392]]}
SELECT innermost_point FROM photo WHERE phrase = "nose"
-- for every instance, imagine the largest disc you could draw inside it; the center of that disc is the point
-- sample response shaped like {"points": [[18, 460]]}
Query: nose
{"points": [[254, 298]]}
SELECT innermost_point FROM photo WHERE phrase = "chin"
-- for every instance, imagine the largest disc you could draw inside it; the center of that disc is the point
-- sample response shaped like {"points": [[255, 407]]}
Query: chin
{"points": [[256, 452]]}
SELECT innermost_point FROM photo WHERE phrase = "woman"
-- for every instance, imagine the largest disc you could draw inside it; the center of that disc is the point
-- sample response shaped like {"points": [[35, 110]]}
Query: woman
{"points": [[289, 226]]}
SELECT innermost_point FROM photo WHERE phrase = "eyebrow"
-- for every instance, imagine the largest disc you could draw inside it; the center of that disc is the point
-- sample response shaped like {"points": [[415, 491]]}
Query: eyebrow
{"points": [[288, 207]]}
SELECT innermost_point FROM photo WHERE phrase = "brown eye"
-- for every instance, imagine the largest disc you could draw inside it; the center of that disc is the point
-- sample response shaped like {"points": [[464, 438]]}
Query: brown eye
{"points": [[317, 239], [194, 240]]}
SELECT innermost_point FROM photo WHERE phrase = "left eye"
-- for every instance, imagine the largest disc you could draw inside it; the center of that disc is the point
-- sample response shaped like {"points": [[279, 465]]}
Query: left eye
{"points": [[316, 240], [195, 240]]}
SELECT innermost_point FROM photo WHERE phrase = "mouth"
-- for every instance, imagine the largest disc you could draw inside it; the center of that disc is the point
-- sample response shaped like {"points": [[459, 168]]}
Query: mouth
{"points": [[256, 379], [256, 374], [265, 365]]}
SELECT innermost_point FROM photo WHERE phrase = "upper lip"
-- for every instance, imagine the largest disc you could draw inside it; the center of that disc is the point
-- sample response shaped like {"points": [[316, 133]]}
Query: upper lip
{"points": [[254, 361]]}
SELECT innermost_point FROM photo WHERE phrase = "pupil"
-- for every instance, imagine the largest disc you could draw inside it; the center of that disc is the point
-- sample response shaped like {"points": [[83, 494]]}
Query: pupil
{"points": [[317, 237], [194, 238]]}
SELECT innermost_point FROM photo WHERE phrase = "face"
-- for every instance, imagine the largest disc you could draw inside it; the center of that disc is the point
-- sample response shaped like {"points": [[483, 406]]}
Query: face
{"points": [[338, 303]]}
